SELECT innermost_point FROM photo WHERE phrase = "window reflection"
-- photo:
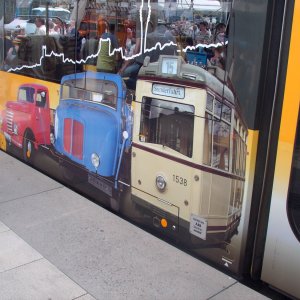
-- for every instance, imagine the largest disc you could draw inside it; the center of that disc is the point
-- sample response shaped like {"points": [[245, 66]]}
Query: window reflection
{"points": [[72, 30]]}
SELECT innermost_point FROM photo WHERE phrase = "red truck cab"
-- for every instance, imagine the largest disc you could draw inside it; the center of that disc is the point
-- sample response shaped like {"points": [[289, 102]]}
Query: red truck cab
{"points": [[26, 123]]}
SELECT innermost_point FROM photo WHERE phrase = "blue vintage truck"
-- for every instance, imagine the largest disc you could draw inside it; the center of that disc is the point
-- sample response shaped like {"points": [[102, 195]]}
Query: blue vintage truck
{"points": [[93, 125]]}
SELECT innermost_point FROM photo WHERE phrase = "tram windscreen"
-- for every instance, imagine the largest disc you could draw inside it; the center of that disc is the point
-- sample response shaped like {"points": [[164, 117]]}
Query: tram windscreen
{"points": [[168, 123]]}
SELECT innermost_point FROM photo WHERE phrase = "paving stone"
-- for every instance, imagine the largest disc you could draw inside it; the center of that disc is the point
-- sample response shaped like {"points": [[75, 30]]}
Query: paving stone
{"points": [[38, 280], [14, 252], [3, 227]]}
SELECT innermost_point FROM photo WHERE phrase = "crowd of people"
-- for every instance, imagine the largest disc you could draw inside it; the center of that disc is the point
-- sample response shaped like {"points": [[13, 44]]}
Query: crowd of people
{"points": [[200, 32], [177, 35]]}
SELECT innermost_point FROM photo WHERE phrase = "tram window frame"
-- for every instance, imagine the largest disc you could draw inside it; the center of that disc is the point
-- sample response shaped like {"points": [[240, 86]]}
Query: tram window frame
{"points": [[239, 148], [215, 118], [152, 131]]}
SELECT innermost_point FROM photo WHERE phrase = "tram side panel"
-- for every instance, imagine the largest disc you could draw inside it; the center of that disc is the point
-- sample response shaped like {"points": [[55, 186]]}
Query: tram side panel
{"points": [[199, 204], [202, 201]]}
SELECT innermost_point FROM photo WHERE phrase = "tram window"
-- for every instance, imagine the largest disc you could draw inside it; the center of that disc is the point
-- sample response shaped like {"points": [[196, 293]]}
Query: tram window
{"points": [[209, 102], [217, 109], [207, 145], [221, 142], [244, 152], [226, 113], [216, 151], [239, 155], [235, 152], [242, 157], [167, 123], [293, 201]]}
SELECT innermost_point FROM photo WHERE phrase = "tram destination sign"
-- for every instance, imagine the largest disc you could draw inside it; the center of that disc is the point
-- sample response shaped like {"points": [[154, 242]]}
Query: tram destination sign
{"points": [[168, 90]]}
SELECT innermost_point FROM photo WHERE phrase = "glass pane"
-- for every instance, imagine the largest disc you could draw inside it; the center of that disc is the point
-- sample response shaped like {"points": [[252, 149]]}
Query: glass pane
{"points": [[234, 152], [32, 37], [226, 113], [221, 142], [217, 109], [168, 123], [209, 102], [100, 91], [207, 140]]}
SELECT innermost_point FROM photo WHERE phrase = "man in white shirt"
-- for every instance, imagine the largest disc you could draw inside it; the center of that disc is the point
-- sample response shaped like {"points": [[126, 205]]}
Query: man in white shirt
{"points": [[40, 26]]}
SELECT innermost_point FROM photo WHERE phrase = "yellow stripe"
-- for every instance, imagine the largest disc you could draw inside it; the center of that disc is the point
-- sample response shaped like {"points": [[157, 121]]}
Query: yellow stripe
{"points": [[292, 88]]}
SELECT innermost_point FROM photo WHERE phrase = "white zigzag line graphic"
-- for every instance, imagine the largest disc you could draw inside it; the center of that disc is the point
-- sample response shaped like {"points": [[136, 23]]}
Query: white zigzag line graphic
{"points": [[120, 49]]}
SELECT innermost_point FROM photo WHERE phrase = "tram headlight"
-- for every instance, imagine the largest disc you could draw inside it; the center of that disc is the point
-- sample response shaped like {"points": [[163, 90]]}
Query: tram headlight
{"points": [[95, 159], [161, 183]]}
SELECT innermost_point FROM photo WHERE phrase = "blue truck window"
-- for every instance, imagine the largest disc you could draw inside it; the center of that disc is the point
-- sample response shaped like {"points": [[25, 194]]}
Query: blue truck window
{"points": [[100, 91]]}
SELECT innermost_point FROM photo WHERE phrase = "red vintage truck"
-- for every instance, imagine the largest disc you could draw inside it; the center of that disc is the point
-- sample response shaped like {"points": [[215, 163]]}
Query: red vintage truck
{"points": [[26, 123]]}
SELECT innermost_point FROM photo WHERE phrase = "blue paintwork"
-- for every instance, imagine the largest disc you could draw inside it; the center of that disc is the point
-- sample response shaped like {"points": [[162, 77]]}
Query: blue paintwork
{"points": [[103, 126]]}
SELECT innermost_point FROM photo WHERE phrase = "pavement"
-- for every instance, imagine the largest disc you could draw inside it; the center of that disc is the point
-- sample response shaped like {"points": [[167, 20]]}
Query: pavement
{"points": [[57, 244]]}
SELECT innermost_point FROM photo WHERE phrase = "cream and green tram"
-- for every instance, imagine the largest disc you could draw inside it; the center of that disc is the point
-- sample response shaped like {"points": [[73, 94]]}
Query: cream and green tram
{"points": [[188, 152]]}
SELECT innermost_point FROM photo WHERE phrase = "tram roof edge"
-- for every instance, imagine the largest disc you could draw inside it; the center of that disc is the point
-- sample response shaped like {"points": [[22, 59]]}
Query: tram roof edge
{"points": [[186, 72]]}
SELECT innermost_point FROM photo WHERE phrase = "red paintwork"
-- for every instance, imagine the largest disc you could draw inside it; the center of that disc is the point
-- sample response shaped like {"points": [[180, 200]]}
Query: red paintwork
{"points": [[28, 116]]}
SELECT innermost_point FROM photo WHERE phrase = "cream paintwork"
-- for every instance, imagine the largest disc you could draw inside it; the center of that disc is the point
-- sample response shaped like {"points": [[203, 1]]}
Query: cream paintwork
{"points": [[209, 197], [205, 199]]}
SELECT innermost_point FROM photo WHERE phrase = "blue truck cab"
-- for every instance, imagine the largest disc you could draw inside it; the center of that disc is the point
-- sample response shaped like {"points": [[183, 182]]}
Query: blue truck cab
{"points": [[93, 125]]}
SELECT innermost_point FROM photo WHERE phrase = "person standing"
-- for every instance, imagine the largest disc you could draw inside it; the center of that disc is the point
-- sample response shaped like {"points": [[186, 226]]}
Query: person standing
{"points": [[106, 61], [40, 26], [203, 35]]}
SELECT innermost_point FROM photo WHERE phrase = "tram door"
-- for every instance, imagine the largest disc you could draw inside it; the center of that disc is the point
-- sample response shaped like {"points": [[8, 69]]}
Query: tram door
{"points": [[281, 262]]}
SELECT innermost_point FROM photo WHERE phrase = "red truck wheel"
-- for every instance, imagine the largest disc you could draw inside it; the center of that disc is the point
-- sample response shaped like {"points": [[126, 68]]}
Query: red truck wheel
{"points": [[28, 147]]}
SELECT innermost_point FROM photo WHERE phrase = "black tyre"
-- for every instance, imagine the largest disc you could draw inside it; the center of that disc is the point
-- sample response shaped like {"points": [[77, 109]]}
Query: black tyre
{"points": [[28, 148]]}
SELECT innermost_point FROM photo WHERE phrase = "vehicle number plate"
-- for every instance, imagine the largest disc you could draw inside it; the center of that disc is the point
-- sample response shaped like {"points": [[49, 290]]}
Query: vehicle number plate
{"points": [[99, 184], [198, 226]]}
